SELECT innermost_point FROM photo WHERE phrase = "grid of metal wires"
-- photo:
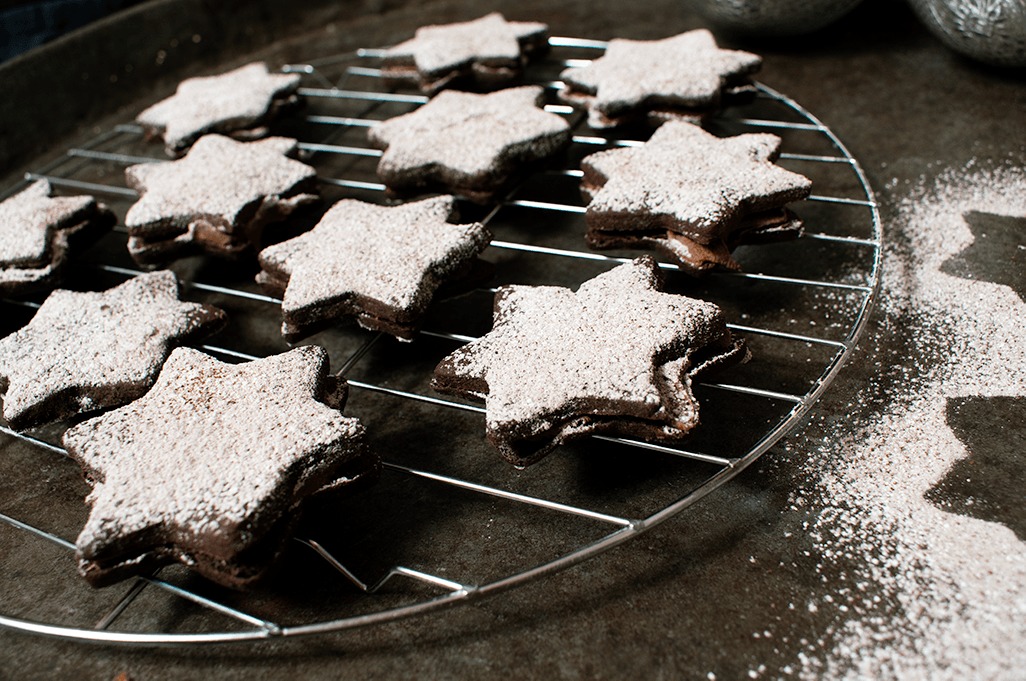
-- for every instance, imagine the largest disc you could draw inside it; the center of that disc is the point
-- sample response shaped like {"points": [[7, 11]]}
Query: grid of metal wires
{"points": [[346, 94]]}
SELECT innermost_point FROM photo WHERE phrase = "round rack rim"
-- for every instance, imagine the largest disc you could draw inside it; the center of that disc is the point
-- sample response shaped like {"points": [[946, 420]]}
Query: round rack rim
{"points": [[460, 593]]}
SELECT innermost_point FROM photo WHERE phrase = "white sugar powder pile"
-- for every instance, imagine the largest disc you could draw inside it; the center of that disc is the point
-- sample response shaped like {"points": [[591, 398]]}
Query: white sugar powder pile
{"points": [[936, 595]]}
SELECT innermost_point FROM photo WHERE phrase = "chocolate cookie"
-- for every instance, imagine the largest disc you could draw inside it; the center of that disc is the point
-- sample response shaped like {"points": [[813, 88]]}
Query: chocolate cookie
{"points": [[38, 232], [379, 264], [467, 144], [691, 195], [212, 467], [483, 54], [617, 356], [216, 199], [682, 77], [238, 103], [84, 351]]}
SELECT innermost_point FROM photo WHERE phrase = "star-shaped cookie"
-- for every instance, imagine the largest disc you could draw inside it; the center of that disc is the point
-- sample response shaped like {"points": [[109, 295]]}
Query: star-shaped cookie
{"points": [[38, 232], [485, 54], [213, 465], [692, 195], [616, 356], [84, 351], [216, 199], [467, 144], [379, 264], [682, 77], [238, 103]]}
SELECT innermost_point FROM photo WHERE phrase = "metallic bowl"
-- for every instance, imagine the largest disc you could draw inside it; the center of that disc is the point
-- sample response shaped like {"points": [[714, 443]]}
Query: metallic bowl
{"points": [[771, 17], [992, 31]]}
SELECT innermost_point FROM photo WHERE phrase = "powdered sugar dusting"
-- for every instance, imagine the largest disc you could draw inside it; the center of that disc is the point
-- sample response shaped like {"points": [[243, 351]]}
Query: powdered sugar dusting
{"points": [[466, 138], [34, 233], [689, 181], [218, 177], [617, 346], [394, 255], [490, 39], [217, 198], [223, 103], [28, 219], [958, 583], [206, 449], [84, 351], [686, 70]]}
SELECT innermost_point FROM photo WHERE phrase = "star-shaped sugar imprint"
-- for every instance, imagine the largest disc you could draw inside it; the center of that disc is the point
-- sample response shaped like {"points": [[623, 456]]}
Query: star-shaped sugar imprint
{"points": [[212, 466], [485, 53], [379, 264], [239, 103], [997, 252], [84, 351], [616, 356], [467, 144], [38, 231], [692, 195], [684, 76], [986, 484], [216, 199]]}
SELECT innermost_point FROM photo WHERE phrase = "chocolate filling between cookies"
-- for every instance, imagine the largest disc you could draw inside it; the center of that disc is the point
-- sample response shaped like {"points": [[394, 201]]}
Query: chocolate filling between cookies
{"points": [[695, 255]]}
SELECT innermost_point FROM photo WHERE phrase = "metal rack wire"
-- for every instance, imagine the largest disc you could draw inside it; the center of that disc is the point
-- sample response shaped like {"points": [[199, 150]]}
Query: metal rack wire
{"points": [[347, 94]]}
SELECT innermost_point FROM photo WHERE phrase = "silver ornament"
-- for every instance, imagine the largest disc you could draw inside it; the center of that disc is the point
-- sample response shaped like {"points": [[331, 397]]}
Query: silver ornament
{"points": [[771, 17], [993, 31]]}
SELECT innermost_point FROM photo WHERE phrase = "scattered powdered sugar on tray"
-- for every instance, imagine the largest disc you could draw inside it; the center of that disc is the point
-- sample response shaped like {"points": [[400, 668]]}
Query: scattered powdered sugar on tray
{"points": [[933, 594]]}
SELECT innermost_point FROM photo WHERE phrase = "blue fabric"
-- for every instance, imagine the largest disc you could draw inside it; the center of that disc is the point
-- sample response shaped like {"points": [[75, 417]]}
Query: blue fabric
{"points": [[34, 23]]}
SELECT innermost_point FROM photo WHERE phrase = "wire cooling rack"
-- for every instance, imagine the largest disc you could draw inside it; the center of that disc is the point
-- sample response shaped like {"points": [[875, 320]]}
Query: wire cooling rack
{"points": [[449, 522]]}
